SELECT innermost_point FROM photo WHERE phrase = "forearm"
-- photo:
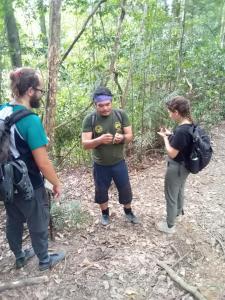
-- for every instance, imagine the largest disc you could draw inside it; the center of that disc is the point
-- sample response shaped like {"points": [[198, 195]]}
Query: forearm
{"points": [[49, 173], [128, 137], [169, 149], [91, 144]]}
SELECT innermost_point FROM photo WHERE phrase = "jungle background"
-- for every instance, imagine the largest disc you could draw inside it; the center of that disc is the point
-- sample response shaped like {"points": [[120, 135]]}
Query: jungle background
{"points": [[146, 51]]}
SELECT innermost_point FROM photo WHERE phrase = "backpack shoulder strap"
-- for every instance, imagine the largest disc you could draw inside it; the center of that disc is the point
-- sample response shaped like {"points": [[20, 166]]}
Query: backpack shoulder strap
{"points": [[93, 121], [17, 116], [118, 113]]}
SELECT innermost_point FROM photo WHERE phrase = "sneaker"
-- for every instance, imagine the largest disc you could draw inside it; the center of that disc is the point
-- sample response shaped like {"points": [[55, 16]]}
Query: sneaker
{"points": [[162, 226], [55, 258], [179, 218], [22, 261], [132, 218], [105, 220]]}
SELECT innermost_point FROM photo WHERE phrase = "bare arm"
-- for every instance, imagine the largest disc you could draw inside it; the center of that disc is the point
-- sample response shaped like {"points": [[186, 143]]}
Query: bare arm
{"points": [[45, 166], [172, 152], [89, 143]]}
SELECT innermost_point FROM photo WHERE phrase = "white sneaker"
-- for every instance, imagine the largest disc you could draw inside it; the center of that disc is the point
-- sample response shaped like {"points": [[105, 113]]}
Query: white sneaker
{"points": [[179, 218], [162, 226]]}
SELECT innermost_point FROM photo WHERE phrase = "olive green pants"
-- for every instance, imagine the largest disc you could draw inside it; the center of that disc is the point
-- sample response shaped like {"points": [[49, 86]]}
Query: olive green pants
{"points": [[175, 178]]}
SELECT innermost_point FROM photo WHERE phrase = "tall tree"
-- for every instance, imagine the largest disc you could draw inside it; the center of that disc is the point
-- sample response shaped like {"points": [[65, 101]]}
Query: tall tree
{"points": [[222, 28], [12, 34], [53, 65], [41, 12]]}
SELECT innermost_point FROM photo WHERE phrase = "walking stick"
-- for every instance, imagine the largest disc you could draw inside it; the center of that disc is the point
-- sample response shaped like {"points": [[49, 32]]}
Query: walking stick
{"points": [[51, 227]]}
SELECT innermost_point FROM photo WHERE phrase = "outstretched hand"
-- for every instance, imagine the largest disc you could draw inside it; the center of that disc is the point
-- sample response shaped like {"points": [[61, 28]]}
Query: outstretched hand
{"points": [[164, 132]]}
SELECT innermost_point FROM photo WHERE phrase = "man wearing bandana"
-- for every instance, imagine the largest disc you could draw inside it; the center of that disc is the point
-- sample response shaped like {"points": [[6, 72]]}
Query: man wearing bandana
{"points": [[106, 134]]}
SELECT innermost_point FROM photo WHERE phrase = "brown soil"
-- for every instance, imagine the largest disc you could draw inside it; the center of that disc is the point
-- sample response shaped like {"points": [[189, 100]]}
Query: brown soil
{"points": [[120, 261]]}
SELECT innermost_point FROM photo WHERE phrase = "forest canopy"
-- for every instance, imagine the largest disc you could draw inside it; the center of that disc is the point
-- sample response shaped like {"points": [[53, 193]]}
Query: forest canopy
{"points": [[145, 51]]}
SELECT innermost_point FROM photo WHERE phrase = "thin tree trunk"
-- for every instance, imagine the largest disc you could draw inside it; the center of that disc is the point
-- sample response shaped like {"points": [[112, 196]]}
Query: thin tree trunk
{"points": [[53, 65], [12, 34], [222, 28], [183, 18], [115, 49], [82, 31], [41, 12]]}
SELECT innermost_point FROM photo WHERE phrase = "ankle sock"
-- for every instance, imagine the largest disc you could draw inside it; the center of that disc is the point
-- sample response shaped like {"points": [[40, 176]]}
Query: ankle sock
{"points": [[127, 210], [105, 211]]}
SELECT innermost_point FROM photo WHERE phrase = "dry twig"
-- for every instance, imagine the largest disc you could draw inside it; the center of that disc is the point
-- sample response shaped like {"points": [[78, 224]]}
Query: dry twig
{"points": [[191, 289], [20, 283]]}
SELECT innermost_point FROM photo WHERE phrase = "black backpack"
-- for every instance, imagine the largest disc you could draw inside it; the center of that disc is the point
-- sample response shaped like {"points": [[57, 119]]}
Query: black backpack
{"points": [[116, 112], [201, 152], [14, 176]]}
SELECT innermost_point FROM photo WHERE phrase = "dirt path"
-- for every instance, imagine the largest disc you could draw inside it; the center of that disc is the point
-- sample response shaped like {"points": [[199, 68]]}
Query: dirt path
{"points": [[120, 261]]}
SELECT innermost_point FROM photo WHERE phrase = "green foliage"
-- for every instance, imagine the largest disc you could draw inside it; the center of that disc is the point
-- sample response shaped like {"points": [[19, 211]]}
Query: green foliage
{"points": [[159, 54], [68, 215]]}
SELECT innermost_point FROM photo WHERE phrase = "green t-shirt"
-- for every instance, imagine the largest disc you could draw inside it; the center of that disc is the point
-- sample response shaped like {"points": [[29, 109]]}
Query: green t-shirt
{"points": [[110, 154]]}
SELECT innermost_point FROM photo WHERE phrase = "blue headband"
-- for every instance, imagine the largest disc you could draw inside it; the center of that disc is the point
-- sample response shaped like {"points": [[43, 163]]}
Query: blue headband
{"points": [[101, 98]]}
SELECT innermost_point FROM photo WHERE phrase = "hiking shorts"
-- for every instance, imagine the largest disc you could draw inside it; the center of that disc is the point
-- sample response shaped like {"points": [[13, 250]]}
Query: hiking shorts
{"points": [[103, 176]]}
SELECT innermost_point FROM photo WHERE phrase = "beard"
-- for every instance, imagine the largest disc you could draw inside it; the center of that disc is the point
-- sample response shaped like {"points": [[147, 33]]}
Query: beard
{"points": [[35, 101]]}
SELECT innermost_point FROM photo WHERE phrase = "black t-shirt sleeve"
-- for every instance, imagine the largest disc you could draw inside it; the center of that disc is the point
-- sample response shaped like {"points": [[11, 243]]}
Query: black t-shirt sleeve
{"points": [[180, 140]]}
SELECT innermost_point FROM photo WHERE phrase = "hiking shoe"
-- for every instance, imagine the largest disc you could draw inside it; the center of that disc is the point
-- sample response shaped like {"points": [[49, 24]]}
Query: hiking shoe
{"points": [[55, 258], [105, 220], [22, 261], [132, 218], [162, 226]]}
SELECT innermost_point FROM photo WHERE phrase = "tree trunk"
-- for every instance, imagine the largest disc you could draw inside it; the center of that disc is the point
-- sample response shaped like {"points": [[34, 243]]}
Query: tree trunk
{"points": [[41, 12], [53, 65], [12, 34], [182, 21], [222, 28]]}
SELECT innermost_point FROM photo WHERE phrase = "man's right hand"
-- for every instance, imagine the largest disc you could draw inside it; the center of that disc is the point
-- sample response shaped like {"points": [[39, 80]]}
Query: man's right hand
{"points": [[106, 138], [57, 190]]}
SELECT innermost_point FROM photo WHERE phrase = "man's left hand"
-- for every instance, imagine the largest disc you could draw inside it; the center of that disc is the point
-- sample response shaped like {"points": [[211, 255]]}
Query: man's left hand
{"points": [[118, 138]]}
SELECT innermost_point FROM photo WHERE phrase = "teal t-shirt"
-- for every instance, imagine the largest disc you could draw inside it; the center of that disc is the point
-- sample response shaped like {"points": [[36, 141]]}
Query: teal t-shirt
{"points": [[109, 154], [29, 135], [30, 128]]}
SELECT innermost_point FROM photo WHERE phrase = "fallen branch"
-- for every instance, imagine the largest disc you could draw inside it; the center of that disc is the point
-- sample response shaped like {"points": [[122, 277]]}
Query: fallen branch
{"points": [[191, 289], [24, 282]]}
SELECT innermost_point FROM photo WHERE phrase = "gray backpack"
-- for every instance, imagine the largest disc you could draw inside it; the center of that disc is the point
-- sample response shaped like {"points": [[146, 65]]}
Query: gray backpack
{"points": [[14, 176]]}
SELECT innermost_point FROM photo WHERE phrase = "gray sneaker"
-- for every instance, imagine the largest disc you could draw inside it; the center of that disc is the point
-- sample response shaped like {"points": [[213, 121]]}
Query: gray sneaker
{"points": [[132, 218], [105, 220], [22, 261], [54, 259]]}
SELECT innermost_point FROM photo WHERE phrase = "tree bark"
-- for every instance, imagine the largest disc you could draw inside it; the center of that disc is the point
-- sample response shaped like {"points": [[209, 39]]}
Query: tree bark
{"points": [[12, 34], [222, 28], [53, 65], [41, 12], [115, 50]]}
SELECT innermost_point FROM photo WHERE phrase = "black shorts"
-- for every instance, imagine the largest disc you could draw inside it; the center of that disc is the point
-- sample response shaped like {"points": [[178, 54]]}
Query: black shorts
{"points": [[103, 176]]}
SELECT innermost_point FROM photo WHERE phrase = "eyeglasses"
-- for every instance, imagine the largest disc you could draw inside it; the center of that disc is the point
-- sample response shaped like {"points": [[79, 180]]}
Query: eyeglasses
{"points": [[40, 90]]}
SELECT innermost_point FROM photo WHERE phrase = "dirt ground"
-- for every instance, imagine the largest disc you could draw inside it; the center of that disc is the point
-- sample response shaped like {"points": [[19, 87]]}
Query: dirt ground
{"points": [[120, 261]]}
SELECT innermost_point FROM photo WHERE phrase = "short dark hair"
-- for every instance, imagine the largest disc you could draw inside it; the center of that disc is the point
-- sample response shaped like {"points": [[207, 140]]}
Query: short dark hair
{"points": [[101, 90], [22, 79]]}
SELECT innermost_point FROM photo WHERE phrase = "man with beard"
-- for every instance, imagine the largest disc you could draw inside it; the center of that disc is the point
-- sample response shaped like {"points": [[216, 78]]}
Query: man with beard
{"points": [[28, 142]]}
